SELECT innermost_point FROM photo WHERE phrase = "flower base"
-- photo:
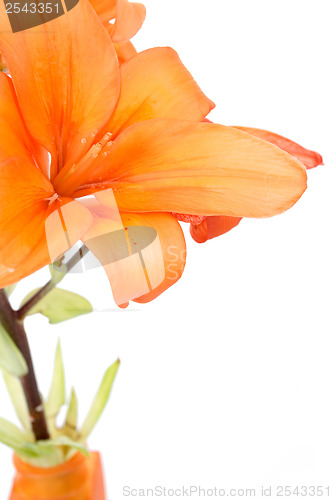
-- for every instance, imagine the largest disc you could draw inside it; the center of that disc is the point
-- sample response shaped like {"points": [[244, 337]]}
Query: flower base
{"points": [[80, 478]]}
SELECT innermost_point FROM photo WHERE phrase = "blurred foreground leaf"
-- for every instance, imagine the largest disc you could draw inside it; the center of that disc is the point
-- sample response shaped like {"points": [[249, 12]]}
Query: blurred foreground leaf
{"points": [[11, 435], [100, 401], [9, 289], [11, 359], [71, 419], [17, 397], [58, 271], [57, 394]]}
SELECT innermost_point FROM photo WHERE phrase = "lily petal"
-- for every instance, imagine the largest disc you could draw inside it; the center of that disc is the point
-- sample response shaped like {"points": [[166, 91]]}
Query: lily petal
{"points": [[172, 244], [130, 17], [105, 9], [125, 51], [31, 230], [214, 226], [309, 158], [155, 84], [14, 138], [66, 77], [200, 169], [142, 254]]}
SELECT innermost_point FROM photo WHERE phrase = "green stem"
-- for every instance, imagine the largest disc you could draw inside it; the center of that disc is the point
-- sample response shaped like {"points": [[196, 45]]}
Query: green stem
{"points": [[14, 327], [24, 310]]}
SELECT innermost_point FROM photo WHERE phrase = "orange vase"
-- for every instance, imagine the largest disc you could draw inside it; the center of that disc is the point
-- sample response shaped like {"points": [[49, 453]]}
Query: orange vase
{"points": [[80, 478]]}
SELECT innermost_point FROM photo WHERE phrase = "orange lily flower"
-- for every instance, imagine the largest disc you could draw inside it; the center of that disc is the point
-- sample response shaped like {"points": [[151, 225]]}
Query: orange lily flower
{"points": [[208, 228], [134, 134]]}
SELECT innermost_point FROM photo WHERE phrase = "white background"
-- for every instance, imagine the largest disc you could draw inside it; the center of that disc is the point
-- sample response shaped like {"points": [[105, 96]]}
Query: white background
{"points": [[227, 379]]}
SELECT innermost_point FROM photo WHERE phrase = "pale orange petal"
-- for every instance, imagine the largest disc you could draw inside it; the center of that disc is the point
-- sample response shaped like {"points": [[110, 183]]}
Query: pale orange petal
{"points": [[31, 229], [201, 169], [155, 84], [129, 19], [214, 226], [309, 158], [125, 51], [66, 76], [142, 254], [173, 247], [106, 9]]}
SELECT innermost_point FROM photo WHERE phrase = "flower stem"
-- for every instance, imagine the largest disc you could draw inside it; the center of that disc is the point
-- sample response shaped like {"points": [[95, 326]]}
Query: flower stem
{"points": [[23, 311], [14, 327]]}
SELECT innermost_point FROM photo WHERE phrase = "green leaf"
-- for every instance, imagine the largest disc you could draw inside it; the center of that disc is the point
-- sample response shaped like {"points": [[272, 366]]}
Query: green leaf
{"points": [[100, 401], [58, 271], [71, 419], [57, 393], [9, 289], [11, 359], [59, 305], [17, 397], [45, 455], [51, 452], [66, 441], [11, 435], [41, 455]]}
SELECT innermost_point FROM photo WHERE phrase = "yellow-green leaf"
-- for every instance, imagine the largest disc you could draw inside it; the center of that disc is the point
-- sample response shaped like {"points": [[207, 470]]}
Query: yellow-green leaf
{"points": [[9, 289], [60, 305], [17, 397], [72, 414], [11, 359], [66, 441], [11, 435], [58, 272], [57, 393], [100, 401]]}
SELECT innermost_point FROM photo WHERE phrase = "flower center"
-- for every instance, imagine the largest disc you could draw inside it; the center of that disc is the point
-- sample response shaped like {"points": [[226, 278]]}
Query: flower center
{"points": [[53, 198], [70, 178]]}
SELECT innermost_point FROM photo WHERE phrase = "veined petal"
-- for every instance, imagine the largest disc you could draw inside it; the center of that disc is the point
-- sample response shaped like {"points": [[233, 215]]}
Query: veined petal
{"points": [[14, 138], [309, 158], [201, 169], [142, 254], [214, 226], [66, 77], [129, 19], [155, 84], [193, 219], [31, 229]]}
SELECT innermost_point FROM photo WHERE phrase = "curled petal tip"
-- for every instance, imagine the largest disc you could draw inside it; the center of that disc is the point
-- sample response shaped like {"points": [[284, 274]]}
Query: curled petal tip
{"points": [[315, 160], [213, 226], [310, 159]]}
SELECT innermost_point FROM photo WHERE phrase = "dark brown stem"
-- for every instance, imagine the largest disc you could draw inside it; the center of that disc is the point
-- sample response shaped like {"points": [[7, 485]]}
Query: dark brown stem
{"points": [[14, 327], [23, 311]]}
